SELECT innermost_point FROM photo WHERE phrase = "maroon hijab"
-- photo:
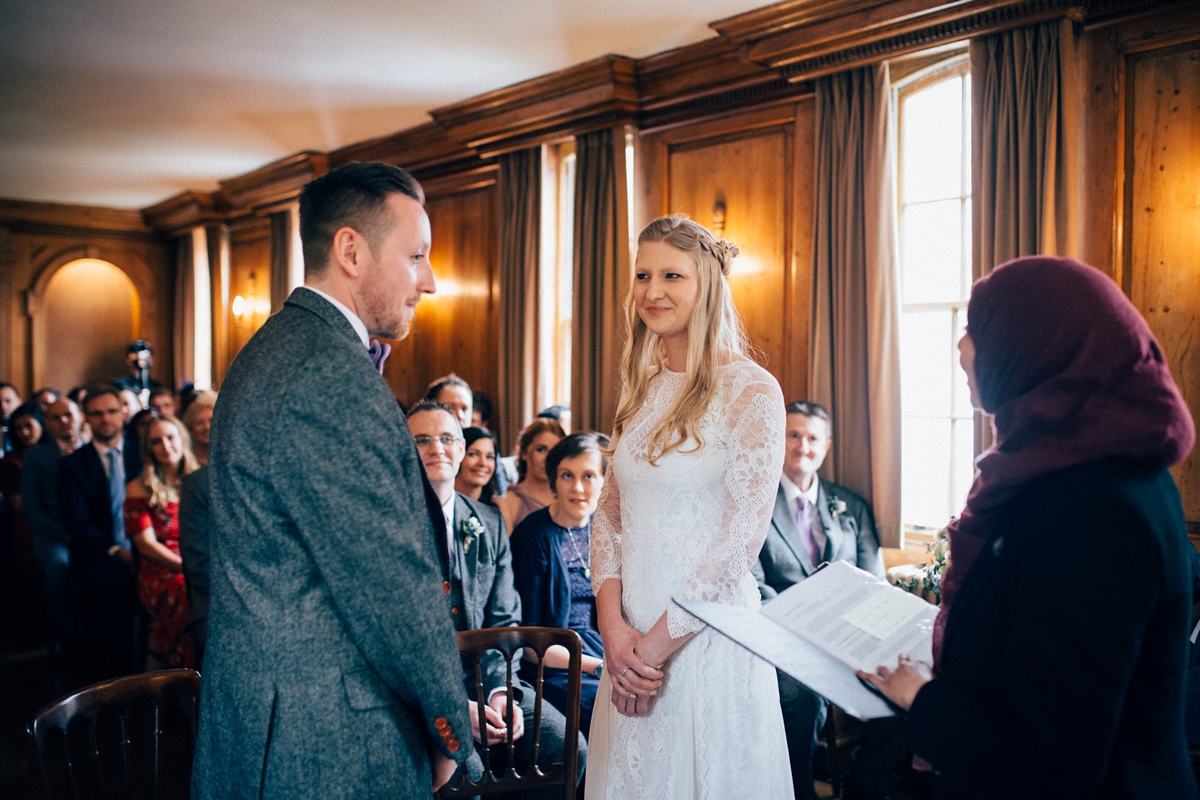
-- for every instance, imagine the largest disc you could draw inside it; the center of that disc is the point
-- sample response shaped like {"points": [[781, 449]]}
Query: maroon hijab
{"points": [[1072, 374]]}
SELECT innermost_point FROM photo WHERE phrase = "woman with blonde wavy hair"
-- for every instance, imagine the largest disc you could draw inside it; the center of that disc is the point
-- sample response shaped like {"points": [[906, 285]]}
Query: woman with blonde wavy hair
{"points": [[152, 524], [698, 447]]}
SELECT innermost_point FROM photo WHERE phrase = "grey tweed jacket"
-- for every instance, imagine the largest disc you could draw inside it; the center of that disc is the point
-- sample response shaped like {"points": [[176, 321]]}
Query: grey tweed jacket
{"points": [[331, 661]]}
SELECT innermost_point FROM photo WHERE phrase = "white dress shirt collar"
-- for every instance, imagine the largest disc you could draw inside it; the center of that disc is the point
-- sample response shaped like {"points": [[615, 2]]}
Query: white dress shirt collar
{"points": [[104, 451], [791, 491], [359, 326]]}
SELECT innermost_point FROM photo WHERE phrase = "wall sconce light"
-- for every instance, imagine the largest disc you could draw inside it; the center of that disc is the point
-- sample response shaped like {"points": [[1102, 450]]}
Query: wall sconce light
{"points": [[718, 216], [262, 307], [239, 307]]}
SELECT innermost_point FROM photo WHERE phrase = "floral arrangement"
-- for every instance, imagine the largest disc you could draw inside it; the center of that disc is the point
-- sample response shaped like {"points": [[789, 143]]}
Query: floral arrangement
{"points": [[925, 579], [471, 530]]}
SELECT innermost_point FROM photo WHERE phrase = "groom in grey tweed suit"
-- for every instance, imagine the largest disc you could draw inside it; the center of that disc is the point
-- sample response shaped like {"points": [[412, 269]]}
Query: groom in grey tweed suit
{"points": [[332, 669]]}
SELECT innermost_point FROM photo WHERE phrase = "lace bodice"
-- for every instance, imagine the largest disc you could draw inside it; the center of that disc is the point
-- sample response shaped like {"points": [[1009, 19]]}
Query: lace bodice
{"points": [[692, 526]]}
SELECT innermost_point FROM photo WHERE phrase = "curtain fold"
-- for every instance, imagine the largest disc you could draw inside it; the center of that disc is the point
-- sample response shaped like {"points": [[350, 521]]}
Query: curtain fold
{"points": [[281, 258], [1024, 114], [520, 190], [855, 359], [601, 277], [184, 318]]}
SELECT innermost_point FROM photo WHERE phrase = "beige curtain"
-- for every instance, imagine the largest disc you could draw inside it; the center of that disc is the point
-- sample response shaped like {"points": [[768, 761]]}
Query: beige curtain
{"points": [[184, 344], [855, 363], [520, 183], [281, 258], [601, 277], [1023, 122]]}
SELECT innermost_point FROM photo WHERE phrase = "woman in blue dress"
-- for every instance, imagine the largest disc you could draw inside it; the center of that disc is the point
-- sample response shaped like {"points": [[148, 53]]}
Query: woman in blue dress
{"points": [[552, 565]]}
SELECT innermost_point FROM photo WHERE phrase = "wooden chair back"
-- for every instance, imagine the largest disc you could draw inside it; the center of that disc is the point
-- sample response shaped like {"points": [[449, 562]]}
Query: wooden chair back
{"points": [[510, 642], [130, 737]]}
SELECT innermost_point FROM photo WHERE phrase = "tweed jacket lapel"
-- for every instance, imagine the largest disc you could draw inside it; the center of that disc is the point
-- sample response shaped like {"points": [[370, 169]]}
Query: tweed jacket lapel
{"points": [[832, 527], [784, 520], [468, 562]]}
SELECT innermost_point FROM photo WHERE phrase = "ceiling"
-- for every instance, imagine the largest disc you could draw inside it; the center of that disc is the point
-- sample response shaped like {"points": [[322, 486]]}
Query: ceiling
{"points": [[127, 102]]}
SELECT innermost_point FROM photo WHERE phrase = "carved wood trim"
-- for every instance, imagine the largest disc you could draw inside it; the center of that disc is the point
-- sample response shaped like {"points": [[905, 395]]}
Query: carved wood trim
{"points": [[280, 180], [464, 181], [37, 217], [186, 210], [425, 147]]}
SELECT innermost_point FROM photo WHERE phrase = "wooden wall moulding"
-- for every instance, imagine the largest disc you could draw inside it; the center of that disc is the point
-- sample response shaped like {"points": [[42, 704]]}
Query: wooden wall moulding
{"points": [[596, 93], [278, 182], [184, 211], [63, 218], [423, 150]]}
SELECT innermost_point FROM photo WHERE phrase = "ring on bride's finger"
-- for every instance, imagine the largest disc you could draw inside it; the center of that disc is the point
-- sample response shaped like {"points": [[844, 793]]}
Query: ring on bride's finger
{"points": [[624, 671]]}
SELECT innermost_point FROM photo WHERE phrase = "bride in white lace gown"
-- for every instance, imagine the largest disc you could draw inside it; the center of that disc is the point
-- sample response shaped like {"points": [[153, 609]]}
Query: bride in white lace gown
{"points": [[682, 712]]}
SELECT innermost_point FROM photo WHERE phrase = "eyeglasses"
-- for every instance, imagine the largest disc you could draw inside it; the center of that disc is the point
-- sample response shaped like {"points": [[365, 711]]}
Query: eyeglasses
{"points": [[447, 440]]}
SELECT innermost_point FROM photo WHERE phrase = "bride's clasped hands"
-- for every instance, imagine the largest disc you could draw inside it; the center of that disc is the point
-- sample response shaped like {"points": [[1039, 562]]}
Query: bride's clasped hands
{"points": [[634, 681]]}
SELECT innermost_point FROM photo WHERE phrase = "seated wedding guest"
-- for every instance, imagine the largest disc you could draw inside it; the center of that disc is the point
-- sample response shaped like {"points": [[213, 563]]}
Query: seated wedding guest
{"points": [[162, 402], [815, 521], [552, 565], [194, 550], [1060, 646], [91, 501], [481, 410], [139, 357], [152, 525], [198, 422], [45, 397], [10, 398], [77, 396], [477, 476], [131, 404], [532, 489], [39, 505], [20, 570], [455, 394], [482, 596], [560, 414]]}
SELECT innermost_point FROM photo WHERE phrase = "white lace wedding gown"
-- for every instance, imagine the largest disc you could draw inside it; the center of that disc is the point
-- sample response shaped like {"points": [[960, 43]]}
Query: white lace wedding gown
{"points": [[691, 527]]}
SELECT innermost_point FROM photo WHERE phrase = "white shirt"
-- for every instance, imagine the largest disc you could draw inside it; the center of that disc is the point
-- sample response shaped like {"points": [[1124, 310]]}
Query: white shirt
{"points": [[791, 491], [448, 513], [104, 451], [359, 326]]}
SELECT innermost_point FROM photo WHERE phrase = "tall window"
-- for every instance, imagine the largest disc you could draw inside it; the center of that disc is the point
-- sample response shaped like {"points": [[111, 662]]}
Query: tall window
{"points": [[556, 275], [934, 183]]}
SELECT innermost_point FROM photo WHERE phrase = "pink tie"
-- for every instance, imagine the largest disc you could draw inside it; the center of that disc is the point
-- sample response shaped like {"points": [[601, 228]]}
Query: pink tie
{"points": [[806, 534]]}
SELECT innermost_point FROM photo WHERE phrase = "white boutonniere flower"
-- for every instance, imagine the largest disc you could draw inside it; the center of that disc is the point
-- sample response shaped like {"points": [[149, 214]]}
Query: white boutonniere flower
{"points": [[471, 530], [837, 506]]}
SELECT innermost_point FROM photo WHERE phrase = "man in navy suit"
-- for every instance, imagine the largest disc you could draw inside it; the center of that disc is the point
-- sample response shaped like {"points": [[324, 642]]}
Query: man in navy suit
{"points": [[814, 522], [91, 489]]}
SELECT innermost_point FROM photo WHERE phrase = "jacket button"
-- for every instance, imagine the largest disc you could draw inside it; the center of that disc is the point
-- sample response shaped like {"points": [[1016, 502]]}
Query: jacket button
{"points": [[454, 611], [445, 587], [441, 724], [453, 747]]}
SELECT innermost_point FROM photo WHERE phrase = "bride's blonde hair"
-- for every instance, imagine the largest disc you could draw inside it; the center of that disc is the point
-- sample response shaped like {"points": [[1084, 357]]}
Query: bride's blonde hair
{"points": [[715, 337]]}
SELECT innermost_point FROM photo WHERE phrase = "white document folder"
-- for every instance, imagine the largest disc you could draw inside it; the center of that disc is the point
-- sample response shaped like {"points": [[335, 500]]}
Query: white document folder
{"points": [[824, 628]]}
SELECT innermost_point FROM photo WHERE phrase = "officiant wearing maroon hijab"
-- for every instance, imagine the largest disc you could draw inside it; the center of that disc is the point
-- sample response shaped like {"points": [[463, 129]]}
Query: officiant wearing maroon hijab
{"points": [[1060, 646]]}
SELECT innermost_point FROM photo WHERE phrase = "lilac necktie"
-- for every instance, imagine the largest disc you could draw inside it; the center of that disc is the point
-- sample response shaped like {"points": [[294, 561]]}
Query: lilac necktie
{"points": [[805, 526], [379, 351]]}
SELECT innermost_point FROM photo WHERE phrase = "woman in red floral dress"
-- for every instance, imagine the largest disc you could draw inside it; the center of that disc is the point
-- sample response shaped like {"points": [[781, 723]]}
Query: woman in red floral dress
{"points": [[152, 524]]}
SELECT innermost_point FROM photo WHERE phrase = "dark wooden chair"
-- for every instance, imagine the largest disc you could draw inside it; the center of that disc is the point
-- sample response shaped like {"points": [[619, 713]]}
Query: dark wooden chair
{"points": [[510, 642], [841, 734], [130, 737]]}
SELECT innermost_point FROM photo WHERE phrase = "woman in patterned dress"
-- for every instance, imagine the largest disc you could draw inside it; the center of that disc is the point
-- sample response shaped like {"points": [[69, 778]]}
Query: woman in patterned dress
{"points": [[152, 524]]}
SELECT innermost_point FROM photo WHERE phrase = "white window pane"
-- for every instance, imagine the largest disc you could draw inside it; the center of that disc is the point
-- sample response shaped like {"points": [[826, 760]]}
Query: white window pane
{"points": [[933, 142], [964, 462], [925, 471], [966, 135], [931, 270], [925, 364], [962, 392]]}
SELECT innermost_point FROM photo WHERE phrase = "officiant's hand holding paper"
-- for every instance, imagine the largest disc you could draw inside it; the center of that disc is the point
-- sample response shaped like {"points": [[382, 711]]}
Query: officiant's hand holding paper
{"points": [[900, 686]]}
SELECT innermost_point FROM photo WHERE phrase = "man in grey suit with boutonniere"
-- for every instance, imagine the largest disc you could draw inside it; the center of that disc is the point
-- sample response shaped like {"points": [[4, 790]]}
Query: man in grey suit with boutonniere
{"points": [[331, 667], [814, 522], [482, 595]]}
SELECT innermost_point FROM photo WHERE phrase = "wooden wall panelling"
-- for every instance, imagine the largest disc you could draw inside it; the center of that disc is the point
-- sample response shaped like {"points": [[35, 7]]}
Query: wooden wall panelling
{"points": [[797, 317], [748, 162], [222, 317], [456, 328], [249, 278], [1162, 220]]}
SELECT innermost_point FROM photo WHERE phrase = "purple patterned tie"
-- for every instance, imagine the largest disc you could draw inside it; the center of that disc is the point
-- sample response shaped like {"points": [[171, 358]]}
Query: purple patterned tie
{"points": [[379, 351], [805, 526]]}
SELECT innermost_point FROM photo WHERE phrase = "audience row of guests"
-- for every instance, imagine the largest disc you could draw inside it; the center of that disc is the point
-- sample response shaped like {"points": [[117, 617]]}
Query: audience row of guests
{"points": [[91, 519]]}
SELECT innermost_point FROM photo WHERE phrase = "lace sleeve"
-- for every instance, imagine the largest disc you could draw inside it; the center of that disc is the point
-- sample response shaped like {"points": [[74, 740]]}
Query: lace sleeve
{"points": [[606, 532], [754, 432]]}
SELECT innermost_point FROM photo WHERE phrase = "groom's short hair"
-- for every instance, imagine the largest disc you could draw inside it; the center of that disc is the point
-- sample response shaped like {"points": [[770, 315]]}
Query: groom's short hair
{"points": [[352, 196]]}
